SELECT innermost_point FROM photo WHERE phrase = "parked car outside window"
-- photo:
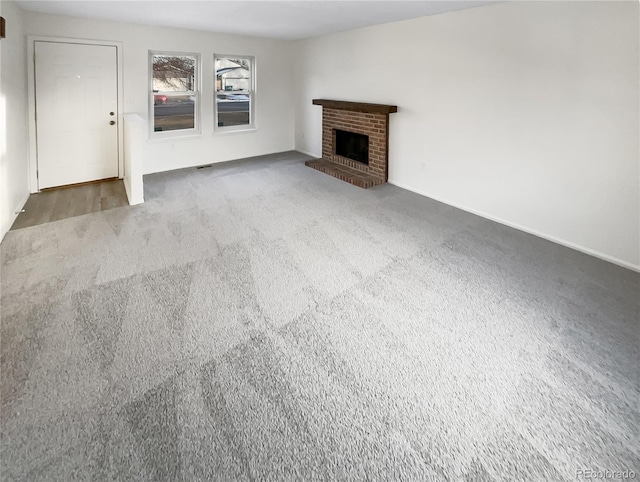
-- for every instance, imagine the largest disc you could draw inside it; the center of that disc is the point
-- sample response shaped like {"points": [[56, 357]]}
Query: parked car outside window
{"points": [[159, 99]]}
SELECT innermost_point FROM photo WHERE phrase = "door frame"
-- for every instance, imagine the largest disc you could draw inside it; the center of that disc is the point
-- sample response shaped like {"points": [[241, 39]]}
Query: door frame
{"points": [[31, 79]]}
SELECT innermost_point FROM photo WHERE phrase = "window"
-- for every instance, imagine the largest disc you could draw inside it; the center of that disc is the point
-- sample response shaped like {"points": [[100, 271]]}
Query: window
{"points": [[174, 97], [234, 108]]}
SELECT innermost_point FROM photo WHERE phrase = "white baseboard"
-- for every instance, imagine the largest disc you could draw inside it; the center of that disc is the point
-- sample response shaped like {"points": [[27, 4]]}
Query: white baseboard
{"points": [[308, 153], [525, 229], [126, 190], [16, 212], [207, 162], [132, 197]]}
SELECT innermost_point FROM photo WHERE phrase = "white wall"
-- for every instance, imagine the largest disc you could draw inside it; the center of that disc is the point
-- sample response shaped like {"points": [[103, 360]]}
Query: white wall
{"points": [[523, 112], [275, 111], [14, 158], [134, 135]]}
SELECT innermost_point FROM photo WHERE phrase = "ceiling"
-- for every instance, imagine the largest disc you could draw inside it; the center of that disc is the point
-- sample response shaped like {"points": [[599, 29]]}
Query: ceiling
{"points": [[287, 20]]}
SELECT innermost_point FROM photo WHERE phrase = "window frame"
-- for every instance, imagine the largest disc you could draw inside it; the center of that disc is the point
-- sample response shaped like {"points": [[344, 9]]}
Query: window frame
{"points": [[197, 76], [251, 92]]}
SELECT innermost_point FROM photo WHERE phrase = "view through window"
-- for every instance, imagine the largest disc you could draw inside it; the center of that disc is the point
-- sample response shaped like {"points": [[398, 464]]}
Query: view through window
{"points": [[234, 91], [174, 92]]}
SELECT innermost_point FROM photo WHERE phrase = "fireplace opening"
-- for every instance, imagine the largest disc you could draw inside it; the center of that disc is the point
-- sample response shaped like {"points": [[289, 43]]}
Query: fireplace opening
{"points": [[351, 145]]}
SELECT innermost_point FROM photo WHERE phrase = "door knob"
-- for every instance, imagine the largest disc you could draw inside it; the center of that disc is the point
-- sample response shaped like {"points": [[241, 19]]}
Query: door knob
{"points": [[112, 113], [112, 122]]}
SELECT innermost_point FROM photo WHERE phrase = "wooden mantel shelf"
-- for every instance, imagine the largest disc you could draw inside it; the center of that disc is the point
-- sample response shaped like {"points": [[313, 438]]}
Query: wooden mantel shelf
{"points": [[356, 106]]}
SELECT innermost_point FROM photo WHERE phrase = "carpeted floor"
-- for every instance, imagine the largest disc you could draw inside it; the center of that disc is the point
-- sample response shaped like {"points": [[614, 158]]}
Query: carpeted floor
{"points": [[260, 320]]}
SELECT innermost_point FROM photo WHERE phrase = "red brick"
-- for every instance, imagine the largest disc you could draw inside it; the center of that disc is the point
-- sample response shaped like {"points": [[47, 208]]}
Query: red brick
{"points": [[357, 173]]}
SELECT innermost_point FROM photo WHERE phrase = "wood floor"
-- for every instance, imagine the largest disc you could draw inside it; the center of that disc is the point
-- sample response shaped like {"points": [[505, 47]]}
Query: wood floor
{"points": [[67, 202]]}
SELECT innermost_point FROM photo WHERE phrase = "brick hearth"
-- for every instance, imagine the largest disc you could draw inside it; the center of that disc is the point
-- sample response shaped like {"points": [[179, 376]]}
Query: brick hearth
{"points": [[368, 119]]}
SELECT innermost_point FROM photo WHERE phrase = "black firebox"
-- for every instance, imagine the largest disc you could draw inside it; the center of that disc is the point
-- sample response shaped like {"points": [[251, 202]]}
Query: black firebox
{"points": [[351, 145]]}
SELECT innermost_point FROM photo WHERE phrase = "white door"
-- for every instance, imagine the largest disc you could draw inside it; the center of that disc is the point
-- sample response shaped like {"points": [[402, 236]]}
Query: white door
{"points": [[76, 113]]}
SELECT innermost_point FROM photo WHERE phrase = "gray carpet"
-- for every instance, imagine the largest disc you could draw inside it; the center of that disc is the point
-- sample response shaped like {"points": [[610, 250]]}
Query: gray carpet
{"points": [[260, 320]]}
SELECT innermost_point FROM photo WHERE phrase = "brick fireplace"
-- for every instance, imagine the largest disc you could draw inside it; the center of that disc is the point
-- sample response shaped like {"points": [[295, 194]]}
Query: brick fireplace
{"points": [[355, 141]]}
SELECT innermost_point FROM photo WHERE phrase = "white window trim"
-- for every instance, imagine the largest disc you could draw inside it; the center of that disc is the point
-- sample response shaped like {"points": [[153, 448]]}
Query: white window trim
{"points": [[253, 125], [178, 133]]}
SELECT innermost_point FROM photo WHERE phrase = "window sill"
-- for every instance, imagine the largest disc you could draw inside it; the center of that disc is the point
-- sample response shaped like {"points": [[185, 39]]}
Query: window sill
{"points": [[249, 130]]}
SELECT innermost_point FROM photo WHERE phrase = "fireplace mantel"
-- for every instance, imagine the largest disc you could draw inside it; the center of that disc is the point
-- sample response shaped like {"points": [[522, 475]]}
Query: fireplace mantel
{"points": [[356, 106]]}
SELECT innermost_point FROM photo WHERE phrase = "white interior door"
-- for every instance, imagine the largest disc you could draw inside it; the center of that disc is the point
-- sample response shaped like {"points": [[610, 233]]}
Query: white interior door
{"points": [[76, 103]]}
